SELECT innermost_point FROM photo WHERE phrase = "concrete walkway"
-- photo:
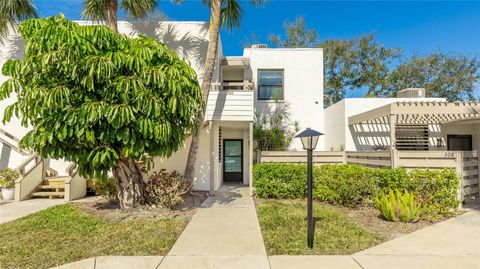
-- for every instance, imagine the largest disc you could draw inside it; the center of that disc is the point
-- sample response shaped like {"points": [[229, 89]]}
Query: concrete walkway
{"points": [[224, 233], [14, 210]]}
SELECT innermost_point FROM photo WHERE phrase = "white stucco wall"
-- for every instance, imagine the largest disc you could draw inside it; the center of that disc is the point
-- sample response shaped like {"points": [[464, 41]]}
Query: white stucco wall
{"points": [[189, 39], [178, 160], [337, 131], [303, 85]]}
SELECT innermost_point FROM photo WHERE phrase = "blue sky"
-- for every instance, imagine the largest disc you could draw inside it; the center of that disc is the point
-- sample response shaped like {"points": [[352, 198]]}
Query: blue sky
{"points": [[416, 27]]}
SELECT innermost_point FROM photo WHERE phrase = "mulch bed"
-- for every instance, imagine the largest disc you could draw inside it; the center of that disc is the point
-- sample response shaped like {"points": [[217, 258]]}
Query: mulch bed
{"points": [[110, 211]]}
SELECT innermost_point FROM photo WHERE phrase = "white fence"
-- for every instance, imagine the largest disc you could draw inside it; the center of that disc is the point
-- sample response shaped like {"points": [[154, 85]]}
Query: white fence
{"points": [[466, 163]]}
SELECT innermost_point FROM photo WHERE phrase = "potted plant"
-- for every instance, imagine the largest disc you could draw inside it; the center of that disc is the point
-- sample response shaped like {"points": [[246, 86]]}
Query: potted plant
{"points": [[7, 183]]}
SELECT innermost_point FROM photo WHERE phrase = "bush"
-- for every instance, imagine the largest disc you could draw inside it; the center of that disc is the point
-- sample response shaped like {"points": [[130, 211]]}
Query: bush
{"points": [[396, 206], [347, 185], [354, 185], [106, 188], [8, 178], [166, 188]]}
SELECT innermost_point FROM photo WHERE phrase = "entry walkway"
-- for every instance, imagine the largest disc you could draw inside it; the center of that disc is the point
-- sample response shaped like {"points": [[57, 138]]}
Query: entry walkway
{"points": [[224, 233]]}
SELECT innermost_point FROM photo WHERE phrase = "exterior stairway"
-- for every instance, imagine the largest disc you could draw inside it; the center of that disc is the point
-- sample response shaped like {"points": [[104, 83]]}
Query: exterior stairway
{"points": [[51, 187]]}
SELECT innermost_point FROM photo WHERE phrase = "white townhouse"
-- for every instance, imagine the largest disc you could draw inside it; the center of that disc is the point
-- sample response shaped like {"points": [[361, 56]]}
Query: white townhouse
{"points": [[244, 87], [409, 122]]}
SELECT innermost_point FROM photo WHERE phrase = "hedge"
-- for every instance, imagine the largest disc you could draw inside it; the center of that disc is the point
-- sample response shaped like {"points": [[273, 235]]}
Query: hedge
{"points": [[354, 185]]}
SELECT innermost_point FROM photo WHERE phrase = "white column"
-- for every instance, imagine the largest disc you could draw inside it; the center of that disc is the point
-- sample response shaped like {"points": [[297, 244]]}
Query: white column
{"points": [[212, 157], [250, 159], [392, 132]]}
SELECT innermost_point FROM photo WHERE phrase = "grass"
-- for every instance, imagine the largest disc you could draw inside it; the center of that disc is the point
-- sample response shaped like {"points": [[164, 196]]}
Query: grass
{"points": [[64, 234], [284, 229]]}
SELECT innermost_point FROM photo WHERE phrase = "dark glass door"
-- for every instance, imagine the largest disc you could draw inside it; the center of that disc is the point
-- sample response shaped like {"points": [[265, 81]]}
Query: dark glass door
{"points": [[233, 160]]}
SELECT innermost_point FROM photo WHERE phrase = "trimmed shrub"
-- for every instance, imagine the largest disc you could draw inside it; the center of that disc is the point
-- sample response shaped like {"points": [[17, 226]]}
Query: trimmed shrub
{"points": [[166, 188], [354, 185], [397, 206], [106, 188]]}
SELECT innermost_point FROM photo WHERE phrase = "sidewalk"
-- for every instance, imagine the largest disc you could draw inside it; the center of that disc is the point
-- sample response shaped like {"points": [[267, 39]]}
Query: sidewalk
{"points": [[225, 233], [14, 210]]}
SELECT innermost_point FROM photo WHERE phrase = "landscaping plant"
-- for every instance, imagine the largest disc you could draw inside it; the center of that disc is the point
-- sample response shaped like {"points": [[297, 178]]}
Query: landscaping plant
{"points": [[397, 206], [8, 178], [101, 100], [106, 188], [354, 185], [167, 188]]}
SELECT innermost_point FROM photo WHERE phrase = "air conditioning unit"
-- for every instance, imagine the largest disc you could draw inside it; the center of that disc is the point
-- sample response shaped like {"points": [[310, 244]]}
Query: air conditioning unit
{"points": [[411, 93], [259, 46]]}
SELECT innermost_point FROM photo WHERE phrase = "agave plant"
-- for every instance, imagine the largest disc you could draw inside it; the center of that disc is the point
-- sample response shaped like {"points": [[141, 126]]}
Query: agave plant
{"points": [[398, 206]]}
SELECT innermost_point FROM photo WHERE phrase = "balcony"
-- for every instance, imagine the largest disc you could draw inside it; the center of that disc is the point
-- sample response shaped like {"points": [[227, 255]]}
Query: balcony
{"points": [[231, 101]]}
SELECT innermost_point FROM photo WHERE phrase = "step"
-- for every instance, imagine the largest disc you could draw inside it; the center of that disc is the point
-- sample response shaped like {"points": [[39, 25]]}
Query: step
{"points": [[54, 180], [49, 194], [52, 187]]}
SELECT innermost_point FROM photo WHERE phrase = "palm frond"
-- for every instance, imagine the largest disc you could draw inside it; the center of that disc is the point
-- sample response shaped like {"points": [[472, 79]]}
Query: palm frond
{"points": [[95, 10], [138, 8], [13, 11], [231, 14]]}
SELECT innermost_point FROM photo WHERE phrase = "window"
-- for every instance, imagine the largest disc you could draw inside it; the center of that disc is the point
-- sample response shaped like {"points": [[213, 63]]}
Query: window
{"points": [[270, 84], [459, 142]]}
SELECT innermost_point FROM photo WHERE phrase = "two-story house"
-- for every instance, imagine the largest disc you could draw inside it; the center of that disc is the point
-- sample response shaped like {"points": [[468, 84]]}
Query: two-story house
{"points": [[244, 89]]}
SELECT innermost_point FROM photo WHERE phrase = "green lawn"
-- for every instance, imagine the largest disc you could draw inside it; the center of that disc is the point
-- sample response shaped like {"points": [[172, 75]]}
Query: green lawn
{"points": [[284, 229], [64, 234]]}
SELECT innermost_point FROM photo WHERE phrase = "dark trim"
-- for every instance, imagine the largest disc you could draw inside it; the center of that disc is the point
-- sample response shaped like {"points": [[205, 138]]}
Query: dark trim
{"points": [[224, 174], [258, 84]]}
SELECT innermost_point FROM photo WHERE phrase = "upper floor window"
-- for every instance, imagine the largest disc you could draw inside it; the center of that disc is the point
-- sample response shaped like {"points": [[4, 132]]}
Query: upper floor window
{"points": [[270, 84]]}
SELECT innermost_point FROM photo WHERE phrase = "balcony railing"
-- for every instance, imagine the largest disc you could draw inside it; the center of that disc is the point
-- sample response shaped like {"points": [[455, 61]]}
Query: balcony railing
{"points": [[232, 86], [230, 102]]}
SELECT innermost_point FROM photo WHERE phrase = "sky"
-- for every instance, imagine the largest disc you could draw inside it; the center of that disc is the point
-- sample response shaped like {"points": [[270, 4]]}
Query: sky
{"points": [[416, 27]]}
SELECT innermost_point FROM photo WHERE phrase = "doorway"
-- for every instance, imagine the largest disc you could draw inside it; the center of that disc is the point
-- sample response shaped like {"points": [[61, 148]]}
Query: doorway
{"points": [[233, 160]]}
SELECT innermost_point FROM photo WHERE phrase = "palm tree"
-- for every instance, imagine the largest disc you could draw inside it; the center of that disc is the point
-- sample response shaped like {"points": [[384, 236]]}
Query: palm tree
{"points": [[13, 11], [107, 10], [226, 14]]}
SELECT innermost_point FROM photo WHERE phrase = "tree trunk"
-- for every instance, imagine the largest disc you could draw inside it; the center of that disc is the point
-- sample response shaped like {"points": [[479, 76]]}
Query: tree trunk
{"points": [[130, 185], [112, 9], [214, 31]]}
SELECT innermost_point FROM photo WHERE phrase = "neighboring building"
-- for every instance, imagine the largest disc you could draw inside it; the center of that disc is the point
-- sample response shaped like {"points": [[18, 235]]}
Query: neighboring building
{"points": [[418, 123]]}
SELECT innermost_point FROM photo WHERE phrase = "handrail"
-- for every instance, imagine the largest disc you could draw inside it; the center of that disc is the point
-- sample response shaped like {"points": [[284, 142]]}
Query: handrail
{"points": [[23, 165], [229, 86], [12, 142], [71, 169]]}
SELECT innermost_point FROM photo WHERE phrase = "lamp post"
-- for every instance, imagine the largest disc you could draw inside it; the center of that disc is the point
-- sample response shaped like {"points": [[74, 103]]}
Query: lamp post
{"points": [[309, 140]]}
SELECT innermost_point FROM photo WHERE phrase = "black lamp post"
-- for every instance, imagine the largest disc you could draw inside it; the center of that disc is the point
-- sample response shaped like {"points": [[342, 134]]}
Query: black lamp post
{"points": [[309, 140]]}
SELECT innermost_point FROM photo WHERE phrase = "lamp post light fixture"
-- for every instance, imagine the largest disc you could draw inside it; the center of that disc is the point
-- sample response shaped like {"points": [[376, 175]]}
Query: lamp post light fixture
{"points": [[309, 140]]}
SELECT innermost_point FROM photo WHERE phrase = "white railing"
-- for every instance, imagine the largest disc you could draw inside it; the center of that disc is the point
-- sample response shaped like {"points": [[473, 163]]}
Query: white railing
{"points": [[75, 185], [31, 175], [232, 86], [230, 105]]}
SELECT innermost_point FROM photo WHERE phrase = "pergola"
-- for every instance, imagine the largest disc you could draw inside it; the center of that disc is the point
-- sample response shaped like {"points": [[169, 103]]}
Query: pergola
{"points": [[417, 113]]}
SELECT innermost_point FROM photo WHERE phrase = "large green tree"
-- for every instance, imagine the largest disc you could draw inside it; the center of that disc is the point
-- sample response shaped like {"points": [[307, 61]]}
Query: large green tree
{"points": [[225, 14], [452, 76], [100, 99], [13, 11]]}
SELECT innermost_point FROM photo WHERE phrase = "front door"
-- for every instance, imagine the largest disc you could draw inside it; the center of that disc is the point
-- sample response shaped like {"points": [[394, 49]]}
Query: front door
{"points": [[233, 160]]}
